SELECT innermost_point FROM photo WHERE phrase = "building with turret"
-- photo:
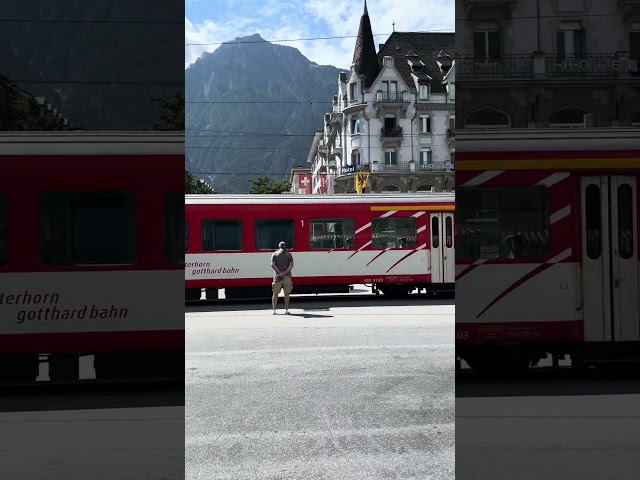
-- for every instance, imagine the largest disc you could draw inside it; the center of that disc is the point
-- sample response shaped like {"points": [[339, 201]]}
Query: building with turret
{"points": [[392, 119]]}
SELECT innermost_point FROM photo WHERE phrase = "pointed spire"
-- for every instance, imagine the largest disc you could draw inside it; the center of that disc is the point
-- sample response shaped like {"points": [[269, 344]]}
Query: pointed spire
{"points": [[364, 54]]}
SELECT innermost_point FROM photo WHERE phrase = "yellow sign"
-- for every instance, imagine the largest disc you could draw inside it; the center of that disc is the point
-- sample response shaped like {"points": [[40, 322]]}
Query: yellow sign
{"points": [[361, 181]]}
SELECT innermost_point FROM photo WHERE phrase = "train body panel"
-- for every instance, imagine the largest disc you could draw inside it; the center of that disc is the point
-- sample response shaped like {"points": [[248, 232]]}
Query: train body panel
{"points": [[547, 242], [335, 240]]}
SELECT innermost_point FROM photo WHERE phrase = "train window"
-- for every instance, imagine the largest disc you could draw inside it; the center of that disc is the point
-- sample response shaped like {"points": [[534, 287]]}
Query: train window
{"points": [[625, 221], [87, 228], [174, 223], [435, 232], [393, 233], [508, 222], [449, 231], [593, 221], [269, 233], [221, 235], [330, 233], [4, 231]]}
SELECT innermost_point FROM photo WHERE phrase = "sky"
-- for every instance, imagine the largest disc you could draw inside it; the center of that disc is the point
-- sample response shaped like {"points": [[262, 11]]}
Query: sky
{"points": [[211, 21]]}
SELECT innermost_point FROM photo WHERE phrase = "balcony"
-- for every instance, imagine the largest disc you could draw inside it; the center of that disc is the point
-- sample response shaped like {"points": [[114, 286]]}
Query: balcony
{"points": [[391, 136], [382, 96], [508, 66]]}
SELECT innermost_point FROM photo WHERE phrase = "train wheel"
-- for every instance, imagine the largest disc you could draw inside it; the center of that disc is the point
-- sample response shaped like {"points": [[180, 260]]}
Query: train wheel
{"points": [[211, 293], [395, 291], [132, 365], [64, 367], [192, 294], [19, 368]]}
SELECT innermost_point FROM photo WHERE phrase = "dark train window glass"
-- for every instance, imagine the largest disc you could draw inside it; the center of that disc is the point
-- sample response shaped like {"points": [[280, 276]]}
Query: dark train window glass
{"points": [[174, 224], [449, 232], [328, 233], [625, 221], [221, 235], [88, 228], [509, 222], [4, 231], [393, 233], [435, 232], [593, 221], [269, 233]]}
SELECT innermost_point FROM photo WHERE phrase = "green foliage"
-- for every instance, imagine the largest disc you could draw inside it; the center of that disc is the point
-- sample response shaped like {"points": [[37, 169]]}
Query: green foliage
{"points": [[194, 186], [264, 186], [20, 111], [171, 110]]}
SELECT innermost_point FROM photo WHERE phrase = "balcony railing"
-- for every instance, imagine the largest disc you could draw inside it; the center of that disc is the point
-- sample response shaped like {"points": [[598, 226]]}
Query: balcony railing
{"points": [[421, 167], [391, 132], [383, 96], [513, 66]]}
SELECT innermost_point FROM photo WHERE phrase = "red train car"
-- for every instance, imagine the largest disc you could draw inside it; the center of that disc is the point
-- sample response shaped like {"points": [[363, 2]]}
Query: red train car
{"points": [[91, 228], [547, 246], [396, 243]]}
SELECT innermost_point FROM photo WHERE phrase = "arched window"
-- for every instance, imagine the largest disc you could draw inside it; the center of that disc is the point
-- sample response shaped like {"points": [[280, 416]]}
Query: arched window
{"points": [[568, 117], [425, 187], [635, 120], [390, 187], [487, 117]]}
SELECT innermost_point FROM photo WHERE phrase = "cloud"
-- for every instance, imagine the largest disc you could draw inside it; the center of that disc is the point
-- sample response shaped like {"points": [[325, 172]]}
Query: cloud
{"points": [[277, 20]]}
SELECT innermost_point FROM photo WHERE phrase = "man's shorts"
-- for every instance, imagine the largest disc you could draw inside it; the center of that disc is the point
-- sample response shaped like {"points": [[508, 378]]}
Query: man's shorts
{"points": [[286, 283]]}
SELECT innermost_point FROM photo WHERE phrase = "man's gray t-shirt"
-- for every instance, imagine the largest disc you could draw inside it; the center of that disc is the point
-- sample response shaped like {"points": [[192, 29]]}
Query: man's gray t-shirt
{"points": [[282, 259]]}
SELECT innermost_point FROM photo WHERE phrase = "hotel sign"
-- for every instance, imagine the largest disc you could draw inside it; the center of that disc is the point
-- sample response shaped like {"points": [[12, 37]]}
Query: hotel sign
{"points": [[594, 65], [347, 170]]}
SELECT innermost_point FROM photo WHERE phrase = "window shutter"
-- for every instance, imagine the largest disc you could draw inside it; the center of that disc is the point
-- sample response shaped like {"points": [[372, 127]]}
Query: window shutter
{"points": [[494, 46], [634, 45], [428, 119]]}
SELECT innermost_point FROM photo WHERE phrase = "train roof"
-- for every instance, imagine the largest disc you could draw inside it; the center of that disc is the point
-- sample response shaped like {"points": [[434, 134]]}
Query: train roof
{"points": [[548, 139], [91, 143], [381, 198]]}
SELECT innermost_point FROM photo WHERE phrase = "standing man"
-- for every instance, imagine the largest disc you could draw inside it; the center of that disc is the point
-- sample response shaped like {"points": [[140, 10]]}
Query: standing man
{"points": [[282, 263]]}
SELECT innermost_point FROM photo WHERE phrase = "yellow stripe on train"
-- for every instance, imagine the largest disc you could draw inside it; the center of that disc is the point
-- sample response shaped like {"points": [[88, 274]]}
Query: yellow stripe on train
{"points": [[414, 208]]}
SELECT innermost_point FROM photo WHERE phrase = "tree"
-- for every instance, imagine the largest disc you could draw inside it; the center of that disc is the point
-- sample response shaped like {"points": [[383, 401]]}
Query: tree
{"points": [[264, 186], [171, 110], [194, 186]]}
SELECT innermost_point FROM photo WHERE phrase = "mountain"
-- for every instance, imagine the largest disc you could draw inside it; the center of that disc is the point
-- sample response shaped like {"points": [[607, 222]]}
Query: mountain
{"points": [[252, 109], [81, 67]]}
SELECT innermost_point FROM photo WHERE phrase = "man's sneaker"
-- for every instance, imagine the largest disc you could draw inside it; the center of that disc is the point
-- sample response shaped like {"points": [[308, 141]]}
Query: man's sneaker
{"points": [[286, 312]]}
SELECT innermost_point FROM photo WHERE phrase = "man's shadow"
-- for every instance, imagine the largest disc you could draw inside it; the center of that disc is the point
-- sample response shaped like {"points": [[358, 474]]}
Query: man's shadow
{"points": [[307, 315]]}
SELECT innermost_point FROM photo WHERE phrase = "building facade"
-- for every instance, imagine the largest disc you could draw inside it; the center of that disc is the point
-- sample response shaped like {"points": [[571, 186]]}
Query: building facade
{"points": [[548, 63], [392, 118]]}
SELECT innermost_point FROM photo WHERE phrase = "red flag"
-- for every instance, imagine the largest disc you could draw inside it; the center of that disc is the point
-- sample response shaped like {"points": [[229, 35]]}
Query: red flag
{"points": [[323, 183]]}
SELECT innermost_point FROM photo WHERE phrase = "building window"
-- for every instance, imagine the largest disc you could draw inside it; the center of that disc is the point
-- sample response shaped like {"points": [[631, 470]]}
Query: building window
{"points": [[353, 91], [355, 158], [568, 117], [425, 124], [452, 158], [425, 187], [487, 45], [390, 90], [330, 233], [174, 224], [426, 157], [391, 157], [393, 232], [4, 231], [221, 235], [269, 233], [487, 118], [509, 222], [423, 91], [570, 41], [355, 126], [88, 228], [634, 46]]}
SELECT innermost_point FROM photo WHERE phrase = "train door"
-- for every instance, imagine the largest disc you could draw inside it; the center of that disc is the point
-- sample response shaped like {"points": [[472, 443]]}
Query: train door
{"points": [[611, 285], [443, 256]]}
